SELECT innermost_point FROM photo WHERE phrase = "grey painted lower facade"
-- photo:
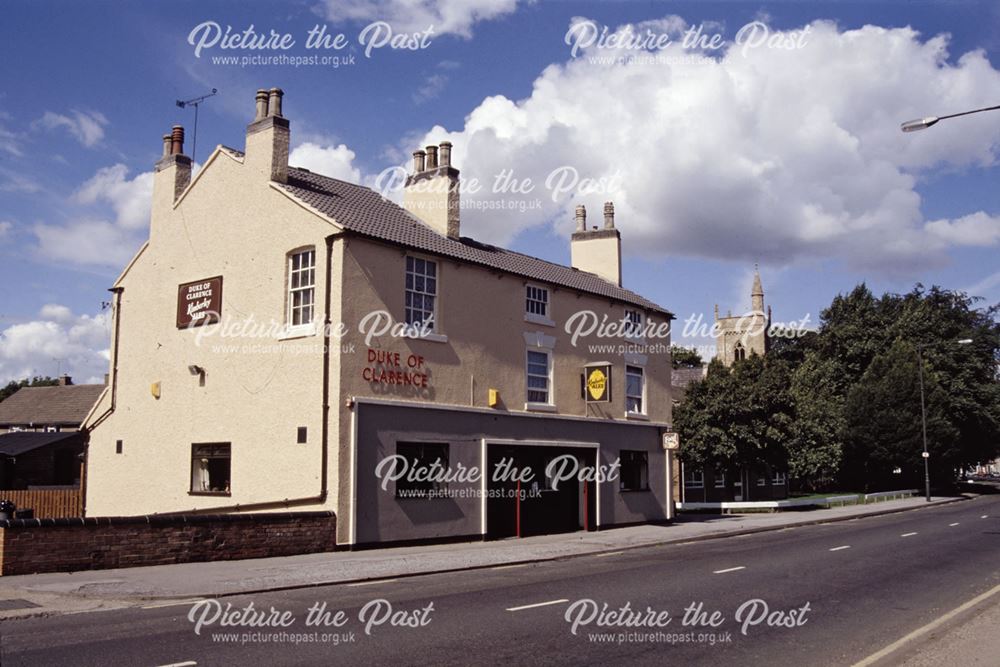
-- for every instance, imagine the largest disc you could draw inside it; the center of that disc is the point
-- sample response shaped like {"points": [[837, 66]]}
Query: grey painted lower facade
{"points": [[480, 439]]}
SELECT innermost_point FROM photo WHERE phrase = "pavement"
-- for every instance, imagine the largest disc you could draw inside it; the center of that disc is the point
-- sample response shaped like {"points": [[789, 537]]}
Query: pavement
{"points": [[54, 593]]}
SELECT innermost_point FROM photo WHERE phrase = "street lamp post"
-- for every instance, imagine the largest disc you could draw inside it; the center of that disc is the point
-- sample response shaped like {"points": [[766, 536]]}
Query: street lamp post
{"points": [[923, 411], [924, 123]]}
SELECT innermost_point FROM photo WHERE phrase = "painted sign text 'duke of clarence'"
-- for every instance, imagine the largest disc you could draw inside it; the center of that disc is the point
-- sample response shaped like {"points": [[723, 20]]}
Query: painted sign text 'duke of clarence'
{"points": [[199, 302]]}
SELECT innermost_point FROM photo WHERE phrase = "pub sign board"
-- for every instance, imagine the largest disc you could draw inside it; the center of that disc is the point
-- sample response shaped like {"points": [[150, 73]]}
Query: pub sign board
{"points": [[199, 302], [597, 383]]}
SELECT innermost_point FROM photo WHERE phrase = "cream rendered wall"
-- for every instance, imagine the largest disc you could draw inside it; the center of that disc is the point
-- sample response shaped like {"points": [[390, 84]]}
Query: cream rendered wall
{"points": [[482, 312], [231, 222]]}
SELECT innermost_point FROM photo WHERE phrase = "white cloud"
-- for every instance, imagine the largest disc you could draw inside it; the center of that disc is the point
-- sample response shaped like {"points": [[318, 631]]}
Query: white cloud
{"points": [[86, 126], [76, 344], [15, 182], [130, 199], [976, 229], [446, 16], [432, 87], [5, 227], [328, 160], [86, 242], [770, 155]]}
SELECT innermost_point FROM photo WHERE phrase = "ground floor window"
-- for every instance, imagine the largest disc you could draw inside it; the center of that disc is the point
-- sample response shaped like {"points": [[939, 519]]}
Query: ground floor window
{"points": [[720, 479], [424, 459], [780, 479], [634, 471], [210, 468], [694, 479]]}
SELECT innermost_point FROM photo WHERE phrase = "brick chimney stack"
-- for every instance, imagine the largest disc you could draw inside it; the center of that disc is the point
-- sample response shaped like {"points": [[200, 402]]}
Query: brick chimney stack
{"points": [[172, 173], [268, 136], [432, 190]]}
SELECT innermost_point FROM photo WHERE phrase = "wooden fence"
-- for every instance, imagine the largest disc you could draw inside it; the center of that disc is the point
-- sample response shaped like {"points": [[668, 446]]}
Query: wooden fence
{"points": [[47, 503]]}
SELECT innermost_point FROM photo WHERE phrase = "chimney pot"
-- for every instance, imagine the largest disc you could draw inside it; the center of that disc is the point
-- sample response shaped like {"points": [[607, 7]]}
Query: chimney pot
{"points": [[418, 161], [432, 157], [581, 218], [274, 104], [261, 100], [167, 141], [177, 140], [609, 215], [445, 153]]}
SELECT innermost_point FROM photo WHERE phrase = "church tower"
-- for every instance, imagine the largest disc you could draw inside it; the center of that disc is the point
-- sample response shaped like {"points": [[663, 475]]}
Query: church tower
{"points": [[742, 335]]}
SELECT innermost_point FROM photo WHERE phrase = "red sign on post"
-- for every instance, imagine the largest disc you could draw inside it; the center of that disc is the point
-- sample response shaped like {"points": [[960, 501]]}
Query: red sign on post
{"points": [[199, 302]]}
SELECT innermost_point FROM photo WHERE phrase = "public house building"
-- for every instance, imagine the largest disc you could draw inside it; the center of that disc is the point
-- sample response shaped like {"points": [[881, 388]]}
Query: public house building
{"points": [[289, 341]]}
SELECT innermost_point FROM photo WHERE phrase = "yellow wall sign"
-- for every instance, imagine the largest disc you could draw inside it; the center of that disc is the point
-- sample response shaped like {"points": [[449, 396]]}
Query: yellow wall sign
{"points": [[598, 384]]}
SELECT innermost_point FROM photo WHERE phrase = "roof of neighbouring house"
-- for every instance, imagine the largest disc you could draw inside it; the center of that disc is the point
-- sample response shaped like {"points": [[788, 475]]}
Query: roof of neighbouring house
{"points": [[682, 378], [19, 442], [363, 211], [64, 405]]}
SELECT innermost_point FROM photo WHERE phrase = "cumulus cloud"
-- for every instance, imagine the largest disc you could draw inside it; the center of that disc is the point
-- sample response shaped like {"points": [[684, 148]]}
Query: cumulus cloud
{"points": [[976, 229], [130, 199], [757, 154], [86, 241], [58, 339], [446, 16], [87, 127], [327, 159]]}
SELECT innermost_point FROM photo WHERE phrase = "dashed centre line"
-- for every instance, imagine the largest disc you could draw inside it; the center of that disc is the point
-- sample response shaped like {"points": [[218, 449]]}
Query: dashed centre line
{"points": [[730, 569], [538, 604], [841, 548], [372, 583], [908, 534], [950, 525]]}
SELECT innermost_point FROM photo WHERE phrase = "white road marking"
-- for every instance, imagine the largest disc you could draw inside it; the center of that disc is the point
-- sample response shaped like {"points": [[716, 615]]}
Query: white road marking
{"points": [[730, 569], [985, 516], [172, 603], [189, 663], [613, 553], [876, 657], [841, 548], [950, 525], [510, 567], [537, 604], [372, 583], [907, 534]]}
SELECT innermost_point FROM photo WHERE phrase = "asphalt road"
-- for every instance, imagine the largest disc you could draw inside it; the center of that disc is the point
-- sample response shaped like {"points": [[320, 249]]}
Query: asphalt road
{"points": [[866, 582]]}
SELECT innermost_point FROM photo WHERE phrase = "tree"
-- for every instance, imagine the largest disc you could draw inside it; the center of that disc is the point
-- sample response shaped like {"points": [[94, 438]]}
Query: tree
{"points": [[685, 357], [12, 386], [815, 445]]}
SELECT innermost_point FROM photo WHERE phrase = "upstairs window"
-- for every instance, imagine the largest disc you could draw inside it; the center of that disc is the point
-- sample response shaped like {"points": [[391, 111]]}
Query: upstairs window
{"points": [[421, 292], [301, 288], [633, 323], [536, 301], [539, 376], [739, 352], [635, 390]]}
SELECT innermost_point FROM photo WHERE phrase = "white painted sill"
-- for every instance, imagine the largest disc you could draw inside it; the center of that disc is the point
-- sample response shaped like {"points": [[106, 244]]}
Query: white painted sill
{"points": [[539, 407], [637, 416], [430, 338], [302, 331]]}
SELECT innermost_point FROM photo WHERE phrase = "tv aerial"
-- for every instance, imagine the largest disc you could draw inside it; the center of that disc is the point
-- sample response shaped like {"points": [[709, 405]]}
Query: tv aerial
{"points": [[195, 102]]}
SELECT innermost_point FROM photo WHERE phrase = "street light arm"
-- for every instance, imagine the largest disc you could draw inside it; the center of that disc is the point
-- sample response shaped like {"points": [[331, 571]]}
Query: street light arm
{"points": [[924, 123]]}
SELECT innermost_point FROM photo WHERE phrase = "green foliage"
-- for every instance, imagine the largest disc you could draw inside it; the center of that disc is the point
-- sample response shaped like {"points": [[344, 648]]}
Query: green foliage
{"points": [[684, 357], [842, 405], [12, 386]]}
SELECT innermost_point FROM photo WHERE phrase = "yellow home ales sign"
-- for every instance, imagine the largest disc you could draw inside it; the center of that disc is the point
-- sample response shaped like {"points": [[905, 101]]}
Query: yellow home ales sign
{"points": [[199, 302], [597, 384]]}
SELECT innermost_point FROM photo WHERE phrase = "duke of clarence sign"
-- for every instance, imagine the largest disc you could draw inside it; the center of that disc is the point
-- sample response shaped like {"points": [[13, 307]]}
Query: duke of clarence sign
{"points": [[199, 302]]}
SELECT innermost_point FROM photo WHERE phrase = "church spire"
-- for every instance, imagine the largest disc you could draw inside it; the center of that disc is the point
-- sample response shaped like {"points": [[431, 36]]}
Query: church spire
{"points": [[757, 292]]}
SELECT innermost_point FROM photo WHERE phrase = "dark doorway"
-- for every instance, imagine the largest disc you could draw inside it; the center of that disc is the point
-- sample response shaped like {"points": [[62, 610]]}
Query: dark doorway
{"points": [[534, 507]]}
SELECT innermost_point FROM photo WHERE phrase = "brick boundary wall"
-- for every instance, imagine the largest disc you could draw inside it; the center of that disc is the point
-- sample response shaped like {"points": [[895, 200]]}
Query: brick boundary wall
{"points": [[29, 546]]}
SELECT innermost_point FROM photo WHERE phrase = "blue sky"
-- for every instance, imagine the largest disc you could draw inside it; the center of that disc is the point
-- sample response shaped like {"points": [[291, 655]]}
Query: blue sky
{"points": [[789, 158]]}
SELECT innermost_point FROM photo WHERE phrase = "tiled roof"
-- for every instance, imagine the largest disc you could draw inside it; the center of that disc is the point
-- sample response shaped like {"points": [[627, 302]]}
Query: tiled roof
{"points": [[50, 406], [363, 211], [15, 444], [682, 379]]}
